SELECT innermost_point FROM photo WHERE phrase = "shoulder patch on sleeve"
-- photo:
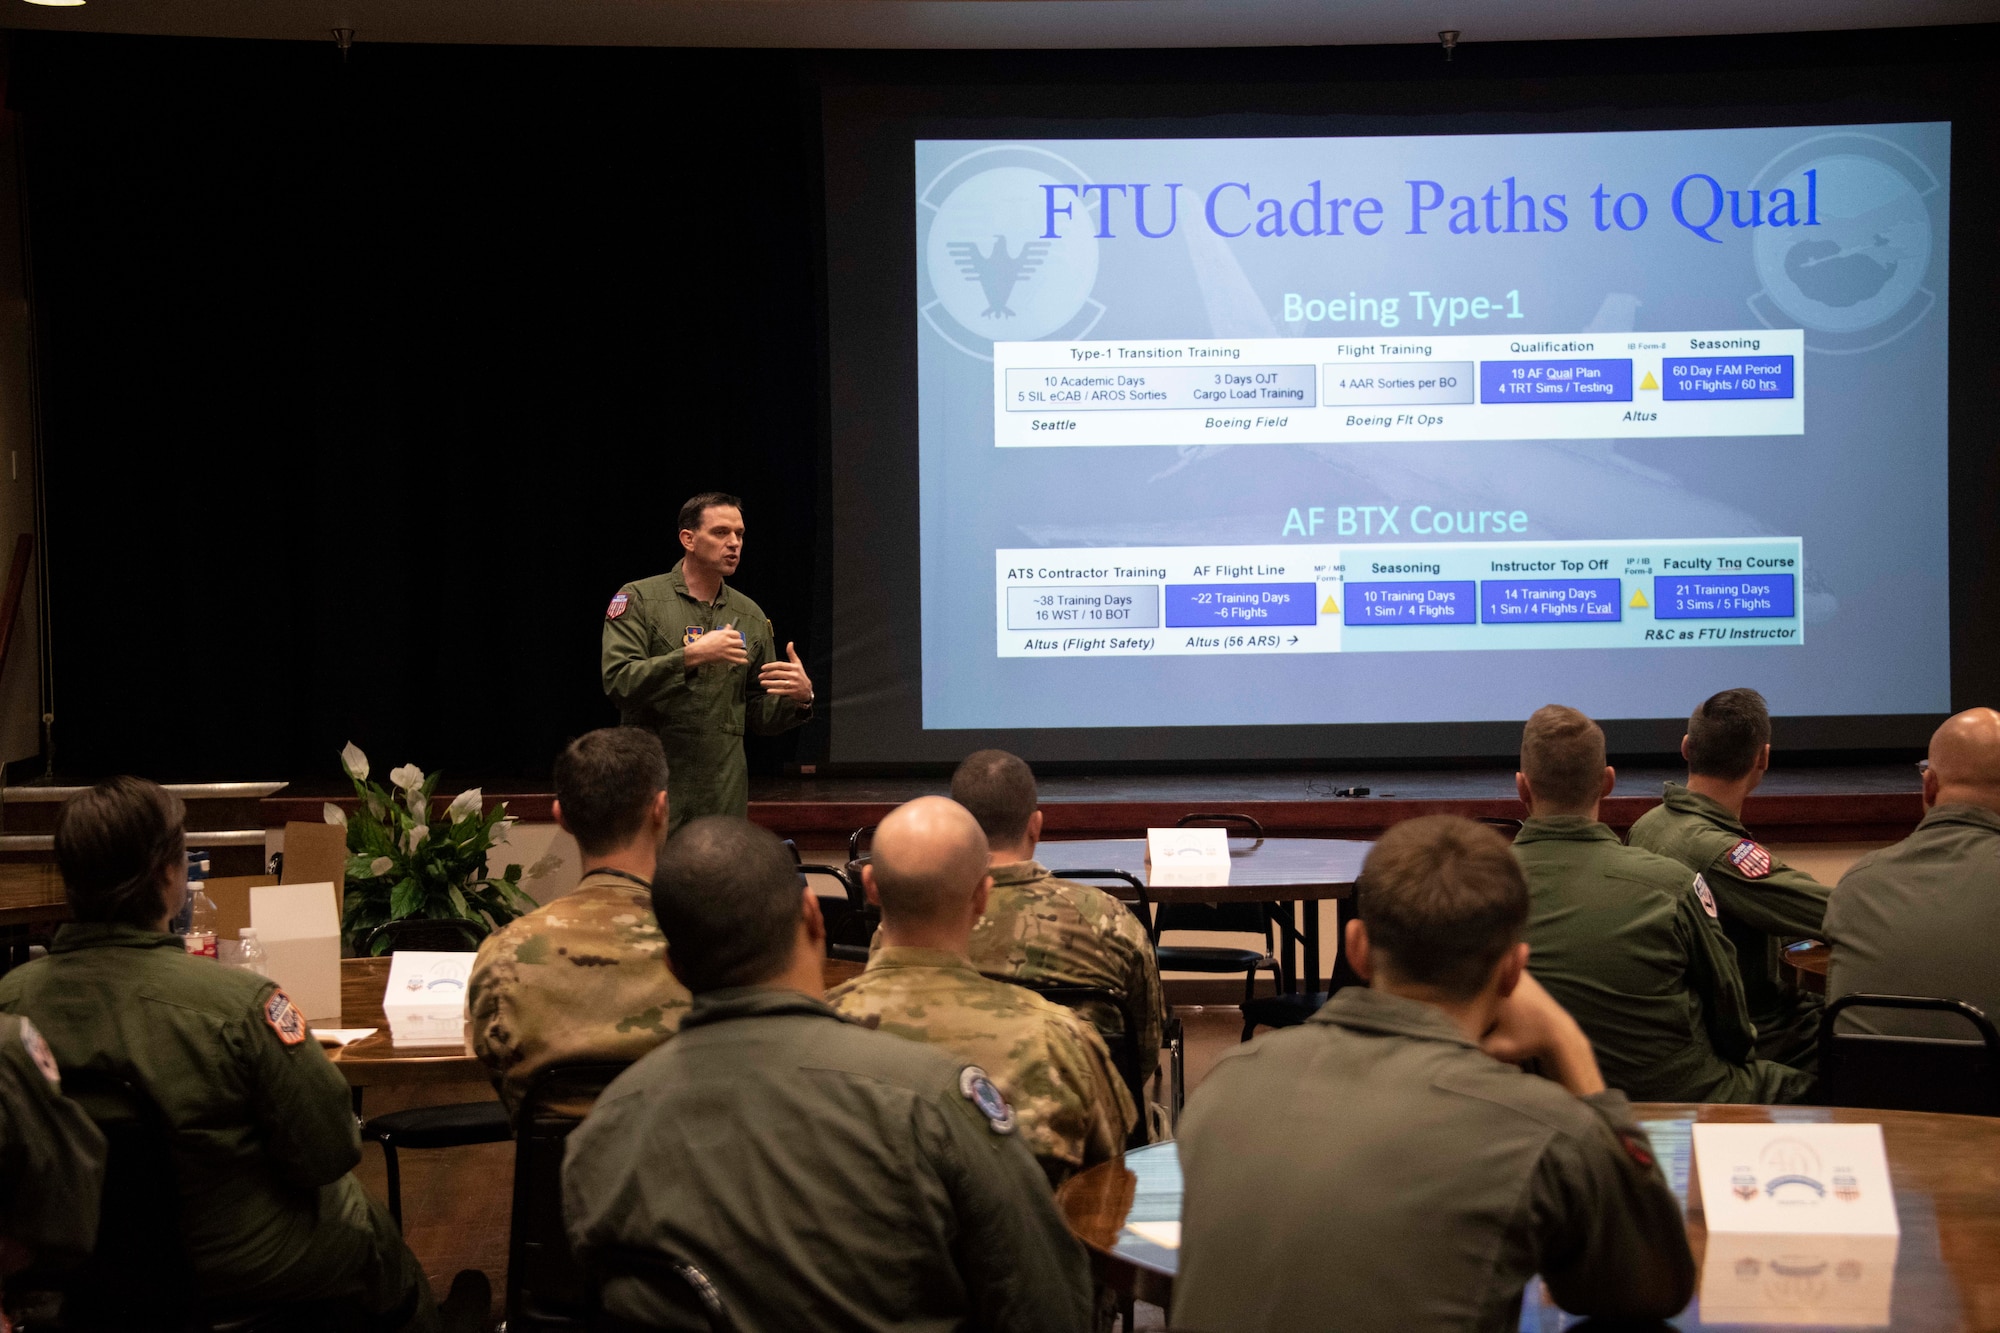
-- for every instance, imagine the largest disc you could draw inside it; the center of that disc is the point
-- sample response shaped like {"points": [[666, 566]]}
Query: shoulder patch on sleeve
{"points": [[617, 607], [285, 1018], [1707, 898], [1750, 859], [978, 1089], [38, 1051], [1637, 1146]]}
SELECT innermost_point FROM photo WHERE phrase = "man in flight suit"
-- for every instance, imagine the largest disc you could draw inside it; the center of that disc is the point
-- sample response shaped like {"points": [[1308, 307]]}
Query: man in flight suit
{"points": [[928, 874], [821, 1175], [51, 1160], [1762, 903], [1380, 1170], [691, 659], [1922, 917], [262, 1125], [1628, 942]]}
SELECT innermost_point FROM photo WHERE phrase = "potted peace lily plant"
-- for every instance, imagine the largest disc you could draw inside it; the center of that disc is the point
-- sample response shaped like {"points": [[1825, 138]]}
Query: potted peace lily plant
{"points": [[401, 863]]}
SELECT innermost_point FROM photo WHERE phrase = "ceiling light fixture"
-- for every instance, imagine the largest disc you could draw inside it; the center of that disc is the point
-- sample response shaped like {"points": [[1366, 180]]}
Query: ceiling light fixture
{"points": [[64, 4]]}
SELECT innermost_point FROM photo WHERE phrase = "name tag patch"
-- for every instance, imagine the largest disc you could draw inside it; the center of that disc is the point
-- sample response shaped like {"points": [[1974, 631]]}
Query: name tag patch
{"points": [[1750, 860], [986, 1099], [285, 1018], [1707, 898]]}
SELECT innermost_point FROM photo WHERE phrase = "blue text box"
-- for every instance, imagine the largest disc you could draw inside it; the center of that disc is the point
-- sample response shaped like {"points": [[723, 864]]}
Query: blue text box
{"points": [[1565, 381], [1687, 379], [1722, 596], [1449, 603], [1549, 601], [1205, 605]]}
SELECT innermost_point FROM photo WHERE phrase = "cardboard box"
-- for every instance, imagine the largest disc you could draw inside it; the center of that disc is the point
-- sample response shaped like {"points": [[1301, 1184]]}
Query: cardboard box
{"points": [[316, 854], [299, 927], [425, 998]]}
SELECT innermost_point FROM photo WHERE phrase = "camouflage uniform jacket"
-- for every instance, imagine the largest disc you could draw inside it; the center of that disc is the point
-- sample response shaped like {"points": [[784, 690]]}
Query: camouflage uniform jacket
{"points": [[1044, 930], [1051, 1065], [584, 978]]}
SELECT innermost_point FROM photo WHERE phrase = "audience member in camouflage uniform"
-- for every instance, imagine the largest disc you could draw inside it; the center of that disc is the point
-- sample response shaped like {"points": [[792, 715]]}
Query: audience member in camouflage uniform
{"points": [[928, 873], [585, 978], [1041, 929]]}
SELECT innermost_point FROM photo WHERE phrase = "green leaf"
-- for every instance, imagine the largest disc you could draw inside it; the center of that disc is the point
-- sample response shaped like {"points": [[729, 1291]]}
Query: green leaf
{"points": [[404, 901], [458, 904]]}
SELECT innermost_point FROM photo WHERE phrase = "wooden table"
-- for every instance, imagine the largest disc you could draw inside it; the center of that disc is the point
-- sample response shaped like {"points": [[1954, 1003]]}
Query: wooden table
{"points": [[1945, 1168], [1301, 871], [1808, 960]]}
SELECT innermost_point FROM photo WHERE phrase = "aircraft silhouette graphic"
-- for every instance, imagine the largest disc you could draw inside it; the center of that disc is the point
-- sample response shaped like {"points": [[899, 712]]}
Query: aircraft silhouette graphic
{"points": [[996, 272]]}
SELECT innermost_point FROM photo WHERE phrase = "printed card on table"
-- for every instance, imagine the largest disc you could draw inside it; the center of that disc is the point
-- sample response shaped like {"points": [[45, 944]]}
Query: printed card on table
{"points": [[1187, 856], [1799, 1180]]}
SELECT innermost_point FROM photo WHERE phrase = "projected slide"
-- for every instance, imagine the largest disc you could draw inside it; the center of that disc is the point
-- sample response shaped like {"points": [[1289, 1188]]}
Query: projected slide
{"points": [[1254, 432]]}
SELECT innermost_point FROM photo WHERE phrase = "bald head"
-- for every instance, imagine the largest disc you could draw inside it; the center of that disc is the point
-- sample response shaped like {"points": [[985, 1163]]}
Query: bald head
{"points": [[928, 861], [1965, 760]]}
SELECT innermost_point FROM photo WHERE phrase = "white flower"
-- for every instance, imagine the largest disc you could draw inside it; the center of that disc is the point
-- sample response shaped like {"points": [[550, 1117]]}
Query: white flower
{"points": [[414, 799], [545, 866], [333, 814], [415, 837], [409, 777], [381, 866], [375, 806], [355, 762], [465, 806]]}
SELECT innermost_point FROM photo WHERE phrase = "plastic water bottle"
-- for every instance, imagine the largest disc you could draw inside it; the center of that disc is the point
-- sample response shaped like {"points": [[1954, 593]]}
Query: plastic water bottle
{"points": [[253, 959], [200, 937]]}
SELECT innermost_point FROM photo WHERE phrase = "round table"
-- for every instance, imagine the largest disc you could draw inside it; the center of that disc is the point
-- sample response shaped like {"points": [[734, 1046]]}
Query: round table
{"points": [[1946, 1171]]}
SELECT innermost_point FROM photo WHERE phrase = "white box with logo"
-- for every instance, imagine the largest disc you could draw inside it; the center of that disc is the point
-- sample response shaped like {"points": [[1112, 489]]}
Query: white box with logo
{"points": [[425, 998]]}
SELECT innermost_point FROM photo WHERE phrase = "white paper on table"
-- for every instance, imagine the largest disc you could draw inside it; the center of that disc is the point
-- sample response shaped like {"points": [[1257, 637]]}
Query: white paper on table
{"points": [[299, 927], [1166, 1235], [1196, 857], [341, 1036], [1823, 1281], [424, 1000], [1797, 1180]]}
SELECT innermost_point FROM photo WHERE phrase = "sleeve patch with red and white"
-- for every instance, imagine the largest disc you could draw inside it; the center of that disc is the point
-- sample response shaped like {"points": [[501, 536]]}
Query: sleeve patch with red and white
{"points": [[1707, 898], [39, 1052], [285, 1018], [1751, 861], [617, 607]]}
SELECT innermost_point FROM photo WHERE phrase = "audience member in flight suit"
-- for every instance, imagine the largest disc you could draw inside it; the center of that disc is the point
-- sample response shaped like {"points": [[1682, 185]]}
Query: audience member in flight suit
{"points": [[263, 1127], [585, 978], [51, 1160], [1628, 942], [821, 1175], [1380, 1162], [1763, 903], [694, 661], [928, 873], [1921, 917]]}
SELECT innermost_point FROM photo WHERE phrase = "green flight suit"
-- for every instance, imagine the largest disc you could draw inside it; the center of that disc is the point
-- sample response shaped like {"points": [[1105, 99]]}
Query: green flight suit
{"points": [[1921, 918], [824, 1177], [264, 1133], [1373, 1170], [1763, 903], [51, 1155], [699, 714], [1629, 943]]}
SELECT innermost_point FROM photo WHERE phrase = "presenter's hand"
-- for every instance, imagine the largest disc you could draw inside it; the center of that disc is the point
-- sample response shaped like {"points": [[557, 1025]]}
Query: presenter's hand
{"points": [[1532, 1026], [787, 678], [723, 644]]}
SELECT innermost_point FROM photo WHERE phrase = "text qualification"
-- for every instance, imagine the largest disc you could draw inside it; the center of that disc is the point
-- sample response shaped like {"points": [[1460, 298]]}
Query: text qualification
{"points": [[1699, 203]]}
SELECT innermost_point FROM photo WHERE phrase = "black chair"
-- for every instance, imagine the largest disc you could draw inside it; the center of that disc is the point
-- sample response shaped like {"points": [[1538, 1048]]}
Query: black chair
{"points": [[547, 1290], [1958, 1076], [1171, 1032], [457, 1125], [1229, 918], [138, 1277], [850, 922], [686, 1298]]}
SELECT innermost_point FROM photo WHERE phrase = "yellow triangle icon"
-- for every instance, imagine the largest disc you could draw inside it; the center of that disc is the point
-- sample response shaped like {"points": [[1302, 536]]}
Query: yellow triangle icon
{"points": [[1649, 382], [1639, 602], [1329, 609]]}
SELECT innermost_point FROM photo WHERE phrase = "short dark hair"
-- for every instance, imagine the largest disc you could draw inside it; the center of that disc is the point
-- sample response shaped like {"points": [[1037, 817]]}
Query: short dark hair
{"points": [[114, 842], [1443, 899], [1727, 733], [999, 789], [1562, 754], [727, 896], [692, 511], [606, 780]]}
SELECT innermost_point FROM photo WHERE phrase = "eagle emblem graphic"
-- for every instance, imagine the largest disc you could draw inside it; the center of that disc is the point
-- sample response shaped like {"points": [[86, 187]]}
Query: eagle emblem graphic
{"points": [[997, 272]]}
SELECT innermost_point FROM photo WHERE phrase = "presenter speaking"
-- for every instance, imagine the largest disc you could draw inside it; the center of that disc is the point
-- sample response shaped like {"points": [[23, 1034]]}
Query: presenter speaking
{"points": [[691, 659]]}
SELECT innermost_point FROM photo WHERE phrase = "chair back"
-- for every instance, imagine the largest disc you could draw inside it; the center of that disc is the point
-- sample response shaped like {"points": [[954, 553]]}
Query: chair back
{"points": [[1123, 1045], [1910, 1073], [425, 935], [1231, 918], [137, 1275], [683, 1298], [546, 1287], [850, 919], [1141, 905]]}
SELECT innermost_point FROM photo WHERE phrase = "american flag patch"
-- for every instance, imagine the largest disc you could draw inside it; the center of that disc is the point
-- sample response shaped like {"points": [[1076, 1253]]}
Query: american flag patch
{"points": [[617, 607], [1750, 860]]}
